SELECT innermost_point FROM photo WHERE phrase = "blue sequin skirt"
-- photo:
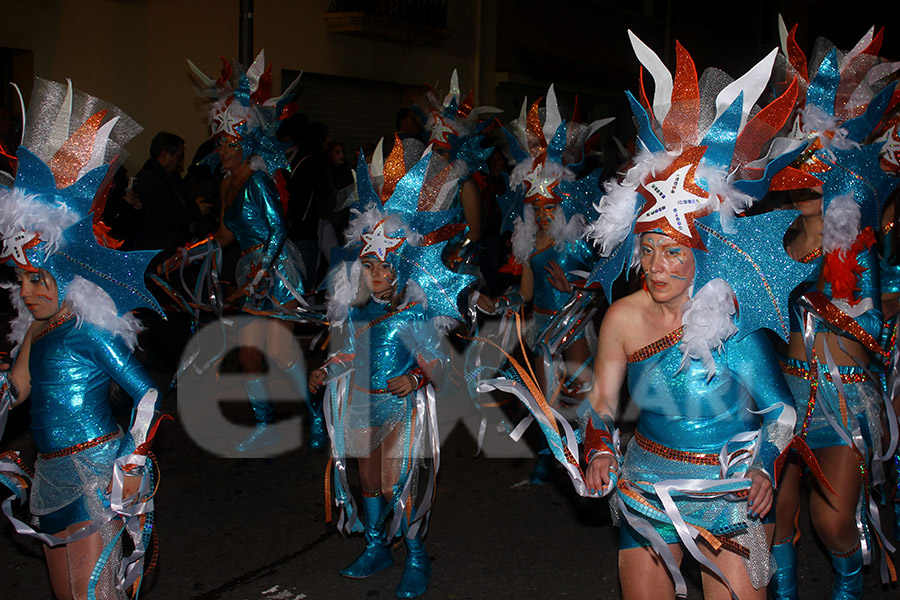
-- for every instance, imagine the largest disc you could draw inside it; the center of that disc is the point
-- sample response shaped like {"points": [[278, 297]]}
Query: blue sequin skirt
{"points": [[72, 488], [289, 265], [861, 408]]}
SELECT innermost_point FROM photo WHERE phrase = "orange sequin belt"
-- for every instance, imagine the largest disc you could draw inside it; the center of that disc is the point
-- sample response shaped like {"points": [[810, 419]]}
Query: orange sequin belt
{"points": [[82, 446], [544, 311], [696, 458], [809, 376], [247, 251], [658, 346]]}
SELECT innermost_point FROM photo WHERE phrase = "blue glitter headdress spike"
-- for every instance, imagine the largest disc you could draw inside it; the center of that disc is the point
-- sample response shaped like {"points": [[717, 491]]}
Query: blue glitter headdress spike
{"points": [[455, 125], [396, 221], [700, 154], [71, 146], [243, 109], [838, 109], [548, 155]]}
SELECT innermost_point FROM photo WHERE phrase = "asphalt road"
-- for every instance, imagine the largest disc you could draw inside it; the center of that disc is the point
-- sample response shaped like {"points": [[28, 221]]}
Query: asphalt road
{"points": [[238, 528]]}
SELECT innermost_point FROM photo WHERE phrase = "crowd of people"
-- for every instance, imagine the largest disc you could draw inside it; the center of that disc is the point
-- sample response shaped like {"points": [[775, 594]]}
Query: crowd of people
{"points": [[758, 339]]}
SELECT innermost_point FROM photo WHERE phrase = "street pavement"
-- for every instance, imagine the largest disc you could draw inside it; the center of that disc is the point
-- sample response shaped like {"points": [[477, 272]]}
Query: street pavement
{"points": [[254, 529]]}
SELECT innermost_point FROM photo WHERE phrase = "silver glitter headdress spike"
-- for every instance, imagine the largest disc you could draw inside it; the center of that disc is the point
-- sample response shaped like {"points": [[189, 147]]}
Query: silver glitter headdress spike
{"points": [[71, 146]]}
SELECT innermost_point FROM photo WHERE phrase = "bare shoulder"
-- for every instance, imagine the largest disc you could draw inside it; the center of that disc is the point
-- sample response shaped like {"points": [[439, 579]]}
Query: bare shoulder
{"points": [[623, 312]]}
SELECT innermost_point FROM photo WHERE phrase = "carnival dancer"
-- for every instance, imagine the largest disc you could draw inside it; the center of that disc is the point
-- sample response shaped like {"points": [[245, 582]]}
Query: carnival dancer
{"points": [[390, 295], [889, 267], [73, 337], [546, 208], [244, 118], [715, 413], [833, 349], [456, 129]]}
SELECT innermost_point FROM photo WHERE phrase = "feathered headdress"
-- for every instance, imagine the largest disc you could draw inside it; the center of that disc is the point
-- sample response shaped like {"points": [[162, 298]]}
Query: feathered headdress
{"points": [[399, 219], [243, 109], [71, 146], [695, 172], [548, 156], [456, 126], [843, 97], [843, 104]]}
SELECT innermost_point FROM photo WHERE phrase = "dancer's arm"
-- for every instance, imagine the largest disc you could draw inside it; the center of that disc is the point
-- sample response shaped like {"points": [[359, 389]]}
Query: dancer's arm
{"points": [[609, 375]]}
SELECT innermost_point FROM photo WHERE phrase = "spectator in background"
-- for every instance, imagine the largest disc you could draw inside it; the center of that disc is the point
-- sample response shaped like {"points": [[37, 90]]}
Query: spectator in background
{"points": [[169, 219], [122, 213], [310, 197], [341, 179]]}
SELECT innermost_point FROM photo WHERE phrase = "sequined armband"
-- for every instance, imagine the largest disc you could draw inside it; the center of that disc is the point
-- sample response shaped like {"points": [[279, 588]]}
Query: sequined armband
{"points": [[511, 299]]}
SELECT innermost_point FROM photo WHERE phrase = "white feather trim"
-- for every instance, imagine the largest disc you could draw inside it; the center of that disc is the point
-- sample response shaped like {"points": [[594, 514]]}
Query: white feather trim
{"points": [[90, 303], [708, 321], [566, 232], [346, 289], [827, 127], [524, 233], [23, 319], [363, 221], [731, 201], [258, 164], [414, 293], [842, 223], [617, 209], [26, 212]]}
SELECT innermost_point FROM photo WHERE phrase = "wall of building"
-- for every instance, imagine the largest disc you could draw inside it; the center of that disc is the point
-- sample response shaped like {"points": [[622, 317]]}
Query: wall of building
{"points": [[132, 52]]}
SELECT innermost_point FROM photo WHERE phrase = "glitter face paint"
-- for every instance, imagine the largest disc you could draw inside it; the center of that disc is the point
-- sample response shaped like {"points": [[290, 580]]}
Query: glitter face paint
{"points": [[544, 214], [668, 267], [39, 293]]}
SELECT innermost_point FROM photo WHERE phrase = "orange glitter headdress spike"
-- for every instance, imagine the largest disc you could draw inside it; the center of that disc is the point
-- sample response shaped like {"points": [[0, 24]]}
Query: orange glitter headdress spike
{"points": [[75, 153], [394, 169], [465, 108], [264, 87], [431, 188], [682, 122], [767, 122], [225, 75], [795, 55], [535, 132]]}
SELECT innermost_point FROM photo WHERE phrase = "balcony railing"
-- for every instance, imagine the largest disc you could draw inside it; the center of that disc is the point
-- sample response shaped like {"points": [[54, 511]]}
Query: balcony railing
{"points": [[412, 22]]}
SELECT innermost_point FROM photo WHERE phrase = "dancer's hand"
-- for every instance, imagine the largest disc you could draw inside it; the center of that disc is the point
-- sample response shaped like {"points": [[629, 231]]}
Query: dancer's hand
{"points": [[402, 385], [761, 493], [597, 474], [488, 305], [316, 379], [557, 277]]}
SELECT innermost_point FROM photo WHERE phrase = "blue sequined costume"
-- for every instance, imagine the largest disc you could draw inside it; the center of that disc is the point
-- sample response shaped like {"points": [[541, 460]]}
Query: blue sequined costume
{"points": [[861, 394], [684, 423], [71, 370], [546, 299], [382, 343], [256, 222]]}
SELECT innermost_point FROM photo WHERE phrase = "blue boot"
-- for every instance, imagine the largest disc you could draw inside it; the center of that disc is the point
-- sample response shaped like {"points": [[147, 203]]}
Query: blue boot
{"points": [[848, 579], [263, 435], [318, 434], [416, 570], [377, 555], [783, 585]]}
